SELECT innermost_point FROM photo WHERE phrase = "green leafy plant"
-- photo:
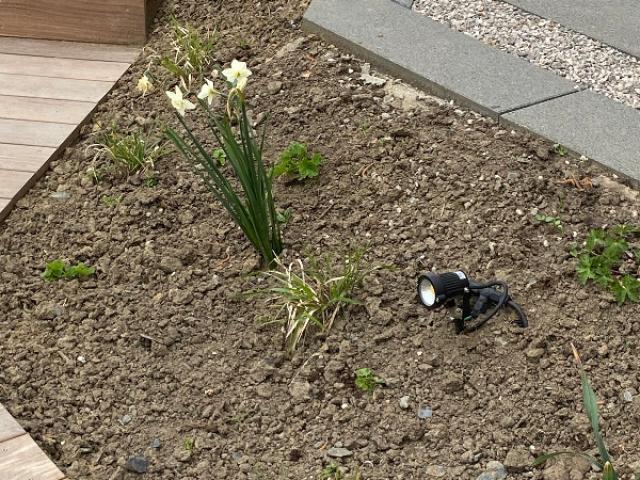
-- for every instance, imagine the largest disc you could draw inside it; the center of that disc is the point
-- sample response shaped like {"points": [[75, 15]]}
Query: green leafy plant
{"points": [[590, 403], [58, 269], [366, 380], [610, 259], [219, 155], [313, 295], [333, 472], [560, 150], [112, 200], [131, 152], [550, 220], [295, 162], [284, 216], [248, 194], [189, 444], [193, 53]]}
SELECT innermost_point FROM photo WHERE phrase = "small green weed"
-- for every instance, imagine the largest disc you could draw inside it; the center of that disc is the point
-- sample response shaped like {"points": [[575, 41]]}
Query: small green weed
{"points": [[58, 269], [295, 162], [131, 152], [611, 259], [366, 380], [220, 156], [151, 182], [590, 402], [560, 150], [284, 216], [193, 53], [313, 295], [112, 200], [548, 219], [189, 444], [333, 472]]}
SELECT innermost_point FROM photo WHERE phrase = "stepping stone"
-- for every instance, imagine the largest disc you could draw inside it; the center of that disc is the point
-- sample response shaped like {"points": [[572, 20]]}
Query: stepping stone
{"points": [[590, 124], [432, 56], [616, 23]]}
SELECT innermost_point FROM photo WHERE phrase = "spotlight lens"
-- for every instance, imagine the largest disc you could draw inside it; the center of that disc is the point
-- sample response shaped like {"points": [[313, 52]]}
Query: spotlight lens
{"points": [[427, 293]]}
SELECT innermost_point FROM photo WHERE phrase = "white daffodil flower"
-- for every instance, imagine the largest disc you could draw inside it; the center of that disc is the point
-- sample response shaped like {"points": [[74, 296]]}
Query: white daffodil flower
{"points": [[237, 74], [208, 92], [180, 103], [144, 85]]}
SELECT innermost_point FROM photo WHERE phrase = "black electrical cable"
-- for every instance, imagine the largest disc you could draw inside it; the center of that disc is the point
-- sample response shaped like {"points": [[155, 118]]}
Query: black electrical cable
{"points": [[504, 299], [522, 317]]}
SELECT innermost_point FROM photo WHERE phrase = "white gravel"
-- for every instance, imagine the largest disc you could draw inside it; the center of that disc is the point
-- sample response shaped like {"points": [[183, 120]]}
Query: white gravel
{"points": [[542, 42]]}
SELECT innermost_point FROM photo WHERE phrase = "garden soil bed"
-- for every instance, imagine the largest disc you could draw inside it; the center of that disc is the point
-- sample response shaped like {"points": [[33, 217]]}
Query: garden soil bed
{"points": [[423, 183]]}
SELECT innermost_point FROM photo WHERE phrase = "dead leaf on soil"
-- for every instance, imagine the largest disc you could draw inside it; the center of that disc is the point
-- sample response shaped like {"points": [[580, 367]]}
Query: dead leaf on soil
{"points": [[583, 184]]}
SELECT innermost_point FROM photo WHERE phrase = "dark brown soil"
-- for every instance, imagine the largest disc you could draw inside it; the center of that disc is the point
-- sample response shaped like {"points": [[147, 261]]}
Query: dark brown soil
{"points": [[426, 184]]}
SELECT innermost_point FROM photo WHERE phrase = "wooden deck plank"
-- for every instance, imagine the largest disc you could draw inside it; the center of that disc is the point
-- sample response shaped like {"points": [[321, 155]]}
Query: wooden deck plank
{"points": [[22, 459], [39, 134], [44, 109], [61, 67], [9, 428], [55, 88], [72, 50], [12, 183], [24, 158], [103, 21]]}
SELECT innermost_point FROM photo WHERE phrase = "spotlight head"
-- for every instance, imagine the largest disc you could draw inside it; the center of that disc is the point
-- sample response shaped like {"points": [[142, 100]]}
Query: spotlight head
{"points": [[435, 289]]}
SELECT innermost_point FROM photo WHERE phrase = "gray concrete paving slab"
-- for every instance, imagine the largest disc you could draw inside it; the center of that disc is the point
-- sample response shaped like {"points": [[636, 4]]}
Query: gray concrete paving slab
{"points": [[432, 56], [589, 124], [614, 22]]}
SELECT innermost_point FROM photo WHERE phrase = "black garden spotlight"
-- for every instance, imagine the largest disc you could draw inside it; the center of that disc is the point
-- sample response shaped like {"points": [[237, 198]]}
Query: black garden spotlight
{"points": [[436, 290]]}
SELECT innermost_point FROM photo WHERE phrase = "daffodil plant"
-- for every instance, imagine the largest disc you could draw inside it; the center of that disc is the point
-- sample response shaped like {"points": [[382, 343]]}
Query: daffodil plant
{"points": [[249, 197]]}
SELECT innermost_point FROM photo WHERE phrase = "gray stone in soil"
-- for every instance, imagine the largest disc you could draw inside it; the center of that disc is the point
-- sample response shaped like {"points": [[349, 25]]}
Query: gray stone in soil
{"points": [[589, 124], [339, 452], [494, 471], [137, 465], [615, 23], [430, 55]]}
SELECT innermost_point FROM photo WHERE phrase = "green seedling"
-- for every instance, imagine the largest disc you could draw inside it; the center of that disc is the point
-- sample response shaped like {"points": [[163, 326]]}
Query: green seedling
{"points": [[189, 444], [312, 295], [560, 150], [112, 200], [296, 162], [590, 402], [220, 156], [151, 182], [366, 380], [548, 219], [131, 152], [58, 269], [333, 472], [610, 260], [284, 216], [193, 53]]}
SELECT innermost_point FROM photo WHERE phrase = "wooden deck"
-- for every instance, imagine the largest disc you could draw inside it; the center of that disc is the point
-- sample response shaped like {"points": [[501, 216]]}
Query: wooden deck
{"points": [[20, 457], [48, 89], [122, 22]]}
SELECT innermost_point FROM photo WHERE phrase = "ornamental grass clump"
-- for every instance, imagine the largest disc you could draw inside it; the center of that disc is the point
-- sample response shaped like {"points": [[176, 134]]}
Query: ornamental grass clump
{"points": [[312, 295], [193, 53], [131, 152], [243, 185]]}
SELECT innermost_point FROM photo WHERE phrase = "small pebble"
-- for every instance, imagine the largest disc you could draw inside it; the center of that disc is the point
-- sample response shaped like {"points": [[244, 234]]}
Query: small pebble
{"points": [[424, 411]]}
